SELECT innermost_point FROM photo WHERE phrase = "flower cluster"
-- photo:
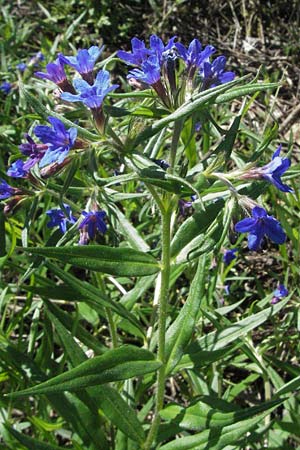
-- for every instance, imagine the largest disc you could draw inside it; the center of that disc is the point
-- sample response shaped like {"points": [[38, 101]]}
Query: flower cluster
{"points": [[156, 66], [93, 222], [89, 90], [56, 144]]}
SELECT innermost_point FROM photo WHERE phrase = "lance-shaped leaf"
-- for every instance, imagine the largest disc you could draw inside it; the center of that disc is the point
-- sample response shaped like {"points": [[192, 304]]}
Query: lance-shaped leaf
{"points": [[217, 440], [94, 296], [194, 226], [115, 365], [180, 332], [115, 261], [31, 443], [195, 103], [210, 412], [107, 398], [218, 340]]}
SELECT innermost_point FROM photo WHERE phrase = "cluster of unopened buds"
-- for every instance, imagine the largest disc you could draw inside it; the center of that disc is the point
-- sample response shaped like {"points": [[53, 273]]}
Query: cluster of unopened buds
{"points": [[174, 72]]}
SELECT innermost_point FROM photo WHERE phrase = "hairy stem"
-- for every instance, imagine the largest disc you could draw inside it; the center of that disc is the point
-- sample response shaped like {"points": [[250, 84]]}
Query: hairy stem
{"points": [[174, 143], [162, 315]]}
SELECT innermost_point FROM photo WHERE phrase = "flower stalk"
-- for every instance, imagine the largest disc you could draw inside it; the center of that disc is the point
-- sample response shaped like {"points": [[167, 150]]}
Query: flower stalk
{"points": [[162, 316]]}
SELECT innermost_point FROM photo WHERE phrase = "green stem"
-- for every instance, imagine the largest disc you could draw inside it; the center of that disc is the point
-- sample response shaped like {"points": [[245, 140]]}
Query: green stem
{"points": [[112, 328], [174, 143], [162, 315], [109, 315]]}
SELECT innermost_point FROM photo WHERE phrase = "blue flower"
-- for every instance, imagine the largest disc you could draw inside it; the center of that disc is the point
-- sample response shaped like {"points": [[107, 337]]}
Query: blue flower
{"points": [[279, 293], [92, 222], [60, 218], [275, 169], [229, 256], [30, 148], [17, 169], [55, 72], [194, 56], [214, 73], [149, 72], [91, 95], [21, 67], [5, 87], [258, 225], [35, 152], [137, 56], [6, 190], [84, 61], [58, 138], [159, 49]]}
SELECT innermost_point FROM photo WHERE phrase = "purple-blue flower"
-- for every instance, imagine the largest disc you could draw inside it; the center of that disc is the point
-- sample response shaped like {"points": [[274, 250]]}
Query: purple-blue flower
{"points": [[149, 72], [93, 221], [137, 56], [259, 225], [58, 138], [275, 169], [21, 66], [60, 218], [54, 72], [5, 87], [35, 152], [91, 95], [214, 73], [194, 55], [84, 61], [159, 49], [17, 169], [272, 171], [229, 256], [30, 148], [279, 293], [6, 190]]}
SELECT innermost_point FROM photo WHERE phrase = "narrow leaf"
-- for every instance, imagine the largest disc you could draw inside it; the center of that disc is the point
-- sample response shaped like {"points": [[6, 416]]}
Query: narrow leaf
{"points": [[92, 294], [210, 412], [115, 365], [115, 261], [107, 398], [216, 440], [181, 331]]}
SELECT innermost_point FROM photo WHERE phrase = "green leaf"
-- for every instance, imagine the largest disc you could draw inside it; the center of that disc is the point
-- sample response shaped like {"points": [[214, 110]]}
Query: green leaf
{"points": [[210, 412], [93, 295], [182, 329], [288, 387], [118, 364], [217, 440], [217, 340], [244, 90], [129, 231], [107, 398], [31, 443], [194, 104], [80, 332], [73, 411], [115, 261], [194, 226]]}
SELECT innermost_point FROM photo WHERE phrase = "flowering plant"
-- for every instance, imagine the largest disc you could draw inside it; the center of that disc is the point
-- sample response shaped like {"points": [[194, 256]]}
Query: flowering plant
{"points": [[155, 152]]}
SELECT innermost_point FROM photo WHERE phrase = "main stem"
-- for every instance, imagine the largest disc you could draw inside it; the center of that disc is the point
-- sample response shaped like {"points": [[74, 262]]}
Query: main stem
{"points": [[162, 315]]}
